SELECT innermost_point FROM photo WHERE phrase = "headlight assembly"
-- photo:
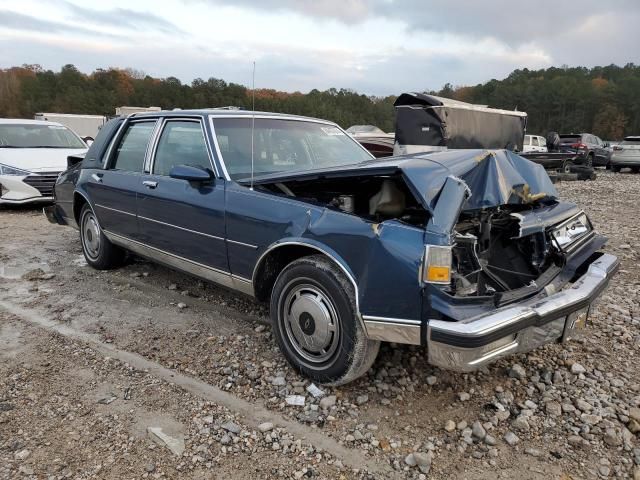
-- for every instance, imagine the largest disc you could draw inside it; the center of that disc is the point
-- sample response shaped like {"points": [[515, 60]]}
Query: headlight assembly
{"points": [[6, 170], [567, 234]]}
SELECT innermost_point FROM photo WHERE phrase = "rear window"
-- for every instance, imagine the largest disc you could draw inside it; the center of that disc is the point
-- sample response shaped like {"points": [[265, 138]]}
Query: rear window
{"points": [[570, 138], [631, 141]]}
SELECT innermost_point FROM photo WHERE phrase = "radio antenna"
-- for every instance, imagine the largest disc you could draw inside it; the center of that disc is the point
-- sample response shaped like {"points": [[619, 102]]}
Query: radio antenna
{"points": [[253, 115]]}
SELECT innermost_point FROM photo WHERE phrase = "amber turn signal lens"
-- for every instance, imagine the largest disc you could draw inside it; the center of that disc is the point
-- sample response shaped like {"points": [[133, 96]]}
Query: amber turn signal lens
{"points": [[438, 274]]}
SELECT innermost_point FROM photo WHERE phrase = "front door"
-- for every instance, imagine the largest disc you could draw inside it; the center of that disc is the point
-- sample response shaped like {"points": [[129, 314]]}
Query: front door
{"points": [[183, 219], [114, 189]]}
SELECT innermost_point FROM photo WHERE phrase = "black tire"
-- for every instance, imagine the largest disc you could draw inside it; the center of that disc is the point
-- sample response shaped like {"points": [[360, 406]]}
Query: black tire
{"points": [[589, 160], [99, 252], [635, 169], [312, 302], [566, 166], [615, 168]]}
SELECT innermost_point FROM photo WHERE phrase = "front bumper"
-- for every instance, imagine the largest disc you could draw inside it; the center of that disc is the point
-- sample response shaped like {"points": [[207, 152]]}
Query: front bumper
{"points": [[15, 191], [470, 344]]}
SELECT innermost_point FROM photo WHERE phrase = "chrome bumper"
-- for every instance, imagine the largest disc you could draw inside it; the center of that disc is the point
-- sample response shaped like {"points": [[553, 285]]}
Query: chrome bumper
{"points": [[468, 345]]}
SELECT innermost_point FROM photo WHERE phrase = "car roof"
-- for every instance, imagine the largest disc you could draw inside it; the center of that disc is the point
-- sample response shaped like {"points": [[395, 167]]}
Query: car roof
{"points": [[25, 121], [219, 112]]}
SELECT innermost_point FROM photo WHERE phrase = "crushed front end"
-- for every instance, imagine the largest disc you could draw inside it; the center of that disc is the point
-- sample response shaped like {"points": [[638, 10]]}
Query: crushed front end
{"points": [[522, 274]]}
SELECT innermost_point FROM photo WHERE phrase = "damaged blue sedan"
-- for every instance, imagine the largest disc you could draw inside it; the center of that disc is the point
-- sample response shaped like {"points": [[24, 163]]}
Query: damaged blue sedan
{"points": [[467, 253]]}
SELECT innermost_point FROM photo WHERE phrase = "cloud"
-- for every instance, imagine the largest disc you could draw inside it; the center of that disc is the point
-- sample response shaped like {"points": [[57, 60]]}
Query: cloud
{"points": [[348, 11], [26, 23], [558, 27], [122, 18]]}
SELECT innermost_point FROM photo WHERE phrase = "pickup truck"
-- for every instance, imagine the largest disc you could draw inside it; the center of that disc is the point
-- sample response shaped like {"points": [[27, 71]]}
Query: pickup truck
{"points": [[470, 254]]}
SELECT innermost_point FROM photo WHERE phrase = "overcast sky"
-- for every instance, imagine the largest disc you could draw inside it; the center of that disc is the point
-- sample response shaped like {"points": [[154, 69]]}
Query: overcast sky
{"points": [[373, 46]]}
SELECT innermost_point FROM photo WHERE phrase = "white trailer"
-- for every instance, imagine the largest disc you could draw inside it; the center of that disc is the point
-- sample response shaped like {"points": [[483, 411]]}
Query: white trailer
{"points": [[126, 111], [85, 126]]}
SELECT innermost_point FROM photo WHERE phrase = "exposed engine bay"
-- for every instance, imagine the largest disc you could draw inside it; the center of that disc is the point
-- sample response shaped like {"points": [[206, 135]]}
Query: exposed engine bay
{"points": [[489, 257], [375, 198]]}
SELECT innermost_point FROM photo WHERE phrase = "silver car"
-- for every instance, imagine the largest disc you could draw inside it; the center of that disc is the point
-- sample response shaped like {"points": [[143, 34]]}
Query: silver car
{"points": [[626, 154]]}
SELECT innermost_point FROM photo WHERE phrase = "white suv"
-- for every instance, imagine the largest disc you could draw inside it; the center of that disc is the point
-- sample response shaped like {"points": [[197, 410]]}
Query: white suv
{"points": [[32, 154], [534, 143]]}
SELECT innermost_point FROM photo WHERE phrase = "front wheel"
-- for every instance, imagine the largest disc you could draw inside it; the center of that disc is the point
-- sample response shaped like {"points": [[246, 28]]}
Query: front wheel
{"points": [[316, 325], [615, 168], [98, 251], [566, 166]]}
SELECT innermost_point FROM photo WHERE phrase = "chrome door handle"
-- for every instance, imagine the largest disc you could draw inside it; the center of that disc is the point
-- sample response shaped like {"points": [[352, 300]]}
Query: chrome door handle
{"points": [[150, 183], [96, 177]]}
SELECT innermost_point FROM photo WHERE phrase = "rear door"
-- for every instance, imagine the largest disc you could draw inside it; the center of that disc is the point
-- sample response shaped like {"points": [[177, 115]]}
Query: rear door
{"points": [[178, 217], [114, 190]]}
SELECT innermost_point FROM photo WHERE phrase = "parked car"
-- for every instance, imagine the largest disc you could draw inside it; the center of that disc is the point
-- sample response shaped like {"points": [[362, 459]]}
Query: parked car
{"points": [[626, 154], [589, 149], [534, 143], [374, 139], [348, 250], [32, 155]]}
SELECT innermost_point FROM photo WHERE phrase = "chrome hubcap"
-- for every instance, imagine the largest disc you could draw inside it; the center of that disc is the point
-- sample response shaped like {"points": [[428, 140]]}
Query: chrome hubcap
{"points": [[91, 235], [311, 323]]}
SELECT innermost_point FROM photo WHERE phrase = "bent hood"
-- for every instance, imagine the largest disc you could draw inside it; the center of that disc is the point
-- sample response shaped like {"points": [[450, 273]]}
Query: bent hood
{"points": [[493, 177], [38, 159]]}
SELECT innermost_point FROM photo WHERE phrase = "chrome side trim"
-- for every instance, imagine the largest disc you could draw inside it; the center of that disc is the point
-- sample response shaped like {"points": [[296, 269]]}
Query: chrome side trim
{"points": [[150, 153], [248, 245], [217, 147], [408, 333], [400, 321], [220, 277], [180, 228], [115, 210]]}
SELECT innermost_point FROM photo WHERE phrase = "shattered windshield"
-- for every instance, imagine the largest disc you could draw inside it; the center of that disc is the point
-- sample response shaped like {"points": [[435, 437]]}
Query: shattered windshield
{"points": [[281, 145], [38, 136]]}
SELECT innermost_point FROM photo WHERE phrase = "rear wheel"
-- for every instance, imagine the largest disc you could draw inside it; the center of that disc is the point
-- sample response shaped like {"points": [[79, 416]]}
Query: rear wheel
{"points": [[99, 252], [589, 161], [566, 166], [316, 325], [635, 169]]}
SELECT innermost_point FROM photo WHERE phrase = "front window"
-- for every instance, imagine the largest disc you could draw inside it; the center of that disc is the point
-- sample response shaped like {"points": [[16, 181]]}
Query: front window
{"points": [[281, 145], [23, 135], [181, 143]]}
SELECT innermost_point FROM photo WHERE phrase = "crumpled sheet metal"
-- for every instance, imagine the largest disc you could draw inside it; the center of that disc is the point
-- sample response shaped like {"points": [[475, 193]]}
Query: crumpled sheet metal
{"points": [[494, 178]]}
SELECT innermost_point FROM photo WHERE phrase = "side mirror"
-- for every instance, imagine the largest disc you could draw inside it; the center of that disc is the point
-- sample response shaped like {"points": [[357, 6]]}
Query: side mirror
{"points": [[74, 159], [191, 174]]}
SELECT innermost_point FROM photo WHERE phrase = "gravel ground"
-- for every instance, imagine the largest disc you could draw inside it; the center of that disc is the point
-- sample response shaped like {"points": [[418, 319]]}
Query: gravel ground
{"points": [[71, 409]]}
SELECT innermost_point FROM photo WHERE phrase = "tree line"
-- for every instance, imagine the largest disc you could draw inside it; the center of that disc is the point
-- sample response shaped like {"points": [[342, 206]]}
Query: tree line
{"points": [[601, 100]]}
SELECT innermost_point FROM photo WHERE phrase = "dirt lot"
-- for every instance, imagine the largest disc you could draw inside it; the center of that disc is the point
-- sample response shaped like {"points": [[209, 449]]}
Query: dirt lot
{"points": [[90, 361]]}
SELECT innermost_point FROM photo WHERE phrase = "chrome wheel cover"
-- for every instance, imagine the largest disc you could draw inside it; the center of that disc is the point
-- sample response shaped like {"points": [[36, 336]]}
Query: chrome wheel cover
{"points": [[311, 322], [91, 235]]}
